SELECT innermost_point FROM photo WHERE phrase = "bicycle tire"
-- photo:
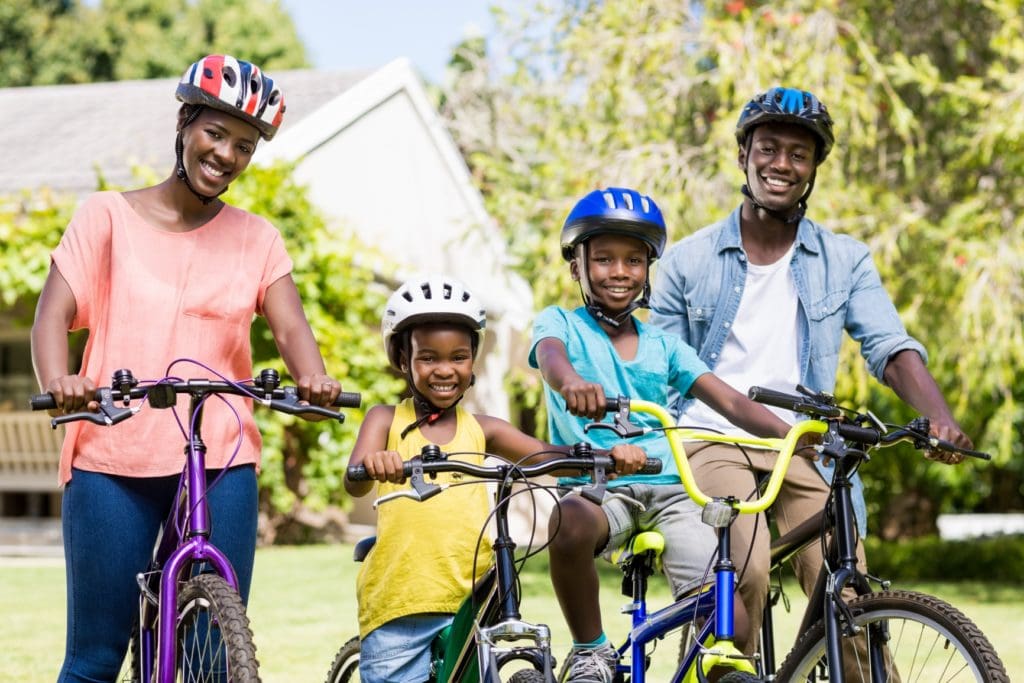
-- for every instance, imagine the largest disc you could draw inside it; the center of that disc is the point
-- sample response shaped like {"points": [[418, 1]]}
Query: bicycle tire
{"points": [[527, 676], [345, 667], [213, 633], [740, 677], [928, 640]]}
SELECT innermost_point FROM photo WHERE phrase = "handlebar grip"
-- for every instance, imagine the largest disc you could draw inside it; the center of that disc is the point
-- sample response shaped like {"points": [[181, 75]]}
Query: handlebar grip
{"points": [[652, 466], [348, 399], [42, 402], [775, 398], [612, 404], [863, 435], [357, 473]]}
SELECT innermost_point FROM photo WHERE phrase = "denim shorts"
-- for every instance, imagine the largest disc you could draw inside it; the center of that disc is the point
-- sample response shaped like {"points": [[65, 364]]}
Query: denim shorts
{"points": [[399, 651], [690, 544]]}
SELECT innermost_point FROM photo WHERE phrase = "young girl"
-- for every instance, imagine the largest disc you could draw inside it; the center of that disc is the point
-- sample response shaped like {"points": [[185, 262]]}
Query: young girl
{"points": [[420, 569], [156, 274]]}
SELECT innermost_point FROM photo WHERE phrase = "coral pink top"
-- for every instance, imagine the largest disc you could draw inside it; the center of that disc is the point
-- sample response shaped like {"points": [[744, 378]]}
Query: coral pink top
{"points": [[148, 297]]}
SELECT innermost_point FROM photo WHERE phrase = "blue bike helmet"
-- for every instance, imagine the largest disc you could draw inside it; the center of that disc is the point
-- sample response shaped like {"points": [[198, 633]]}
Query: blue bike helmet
{"points": [[788, 105], [616, 211], [613, 211]]}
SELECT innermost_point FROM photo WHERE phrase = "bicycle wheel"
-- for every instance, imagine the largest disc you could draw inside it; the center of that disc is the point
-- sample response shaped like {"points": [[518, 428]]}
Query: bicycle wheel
{"points": [[214, 640], [345, 668], [739, 677], [927, 640], [527, 676]]}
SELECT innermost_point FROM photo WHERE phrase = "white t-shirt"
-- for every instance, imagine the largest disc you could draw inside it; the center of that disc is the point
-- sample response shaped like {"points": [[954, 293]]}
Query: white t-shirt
{"points": [[762, 348]]}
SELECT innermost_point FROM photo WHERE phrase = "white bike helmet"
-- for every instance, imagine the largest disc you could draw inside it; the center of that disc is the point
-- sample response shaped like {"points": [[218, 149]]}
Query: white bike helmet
{"points": [[431, 298]]}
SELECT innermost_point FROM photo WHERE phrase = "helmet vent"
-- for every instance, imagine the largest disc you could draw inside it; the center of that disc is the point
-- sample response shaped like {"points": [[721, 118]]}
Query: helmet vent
{"points": [[645, 203], [447, 291], [254, 85], [628, 199], [609, 199], [229, 76]]}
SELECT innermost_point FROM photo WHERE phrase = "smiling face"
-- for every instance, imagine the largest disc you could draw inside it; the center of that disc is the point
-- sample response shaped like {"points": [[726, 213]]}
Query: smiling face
{"points": [[779, 161], [217, 148], [441, 362], [616, 270]]}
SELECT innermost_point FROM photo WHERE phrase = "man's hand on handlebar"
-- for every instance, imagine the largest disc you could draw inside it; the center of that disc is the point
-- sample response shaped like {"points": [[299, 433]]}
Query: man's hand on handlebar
{"points": [[384, 466], [948, 430], [628, 457], [72, 393]]}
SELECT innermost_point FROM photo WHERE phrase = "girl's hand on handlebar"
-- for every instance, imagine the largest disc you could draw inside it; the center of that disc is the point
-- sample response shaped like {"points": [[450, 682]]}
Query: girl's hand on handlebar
{"points": [[73, 393], [628, 458], [584, 399], [384, 466]]}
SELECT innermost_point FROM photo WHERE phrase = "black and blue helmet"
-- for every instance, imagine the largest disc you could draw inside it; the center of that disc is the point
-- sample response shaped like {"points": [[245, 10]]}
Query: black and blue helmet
{"points": [[614, 211], [788, 105]]}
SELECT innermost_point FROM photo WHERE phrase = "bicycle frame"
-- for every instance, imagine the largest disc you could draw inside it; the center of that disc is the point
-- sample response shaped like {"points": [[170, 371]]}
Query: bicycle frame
{"points": [[173, 555], [718, 513]]}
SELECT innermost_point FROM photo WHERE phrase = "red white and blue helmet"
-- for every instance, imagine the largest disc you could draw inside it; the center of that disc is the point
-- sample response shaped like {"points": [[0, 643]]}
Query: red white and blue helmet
{"points": [[788, 105], [235, 87], [615, 211]]}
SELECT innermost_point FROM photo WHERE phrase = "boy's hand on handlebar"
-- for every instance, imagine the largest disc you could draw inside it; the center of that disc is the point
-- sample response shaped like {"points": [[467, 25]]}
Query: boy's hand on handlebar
{"points": [[73, 393], [628, 458], [805, 447], [584, 399], [384, 466]]}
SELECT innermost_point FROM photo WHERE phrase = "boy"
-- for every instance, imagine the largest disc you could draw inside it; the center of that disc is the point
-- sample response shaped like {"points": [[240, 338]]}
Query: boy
{"points": [[610, 239], [410, 585]]}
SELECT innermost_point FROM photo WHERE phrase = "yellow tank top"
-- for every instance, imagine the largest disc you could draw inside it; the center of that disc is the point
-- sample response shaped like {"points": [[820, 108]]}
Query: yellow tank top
{"points": [[423, 559]]}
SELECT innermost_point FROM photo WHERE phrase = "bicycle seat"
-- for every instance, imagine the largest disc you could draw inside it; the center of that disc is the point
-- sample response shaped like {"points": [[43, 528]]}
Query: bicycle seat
{"points": [[363, 548], [645, 541]]}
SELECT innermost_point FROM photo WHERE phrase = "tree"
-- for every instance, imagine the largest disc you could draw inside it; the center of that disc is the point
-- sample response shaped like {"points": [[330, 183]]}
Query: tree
{"points": [[74, 42], [926, 170]]}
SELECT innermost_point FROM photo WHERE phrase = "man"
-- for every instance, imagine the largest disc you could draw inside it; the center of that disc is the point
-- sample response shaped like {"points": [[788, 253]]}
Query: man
{"points": [[764, 296]]}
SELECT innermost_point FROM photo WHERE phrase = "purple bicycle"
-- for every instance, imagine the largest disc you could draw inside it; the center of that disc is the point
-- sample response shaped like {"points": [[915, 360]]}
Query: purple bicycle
{"points": [[192, 626]]}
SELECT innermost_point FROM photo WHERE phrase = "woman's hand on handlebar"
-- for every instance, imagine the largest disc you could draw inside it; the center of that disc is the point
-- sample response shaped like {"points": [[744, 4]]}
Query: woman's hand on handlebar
{"points": [[318, 390], [628, 457], [384, 466], [72, 393], [584, 399]]}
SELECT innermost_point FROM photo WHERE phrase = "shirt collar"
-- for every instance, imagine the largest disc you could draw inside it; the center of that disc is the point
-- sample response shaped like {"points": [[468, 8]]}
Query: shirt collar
{"points": [[729, 237]]}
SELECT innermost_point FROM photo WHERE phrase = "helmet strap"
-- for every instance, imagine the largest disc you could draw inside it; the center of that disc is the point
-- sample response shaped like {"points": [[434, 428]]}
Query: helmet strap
{"points": [[595, 309], [179, 148]]}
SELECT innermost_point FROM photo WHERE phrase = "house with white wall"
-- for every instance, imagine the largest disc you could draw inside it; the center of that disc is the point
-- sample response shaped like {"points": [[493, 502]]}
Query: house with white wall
{"points": [[372, 149]]}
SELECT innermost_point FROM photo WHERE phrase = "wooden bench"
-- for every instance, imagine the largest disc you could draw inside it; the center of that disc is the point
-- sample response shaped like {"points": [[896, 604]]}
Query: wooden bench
{"points": [[29, 453]]}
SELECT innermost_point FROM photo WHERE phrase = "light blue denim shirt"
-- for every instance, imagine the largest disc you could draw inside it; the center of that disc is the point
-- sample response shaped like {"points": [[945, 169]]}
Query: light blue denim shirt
{"points": [[699, 284]]}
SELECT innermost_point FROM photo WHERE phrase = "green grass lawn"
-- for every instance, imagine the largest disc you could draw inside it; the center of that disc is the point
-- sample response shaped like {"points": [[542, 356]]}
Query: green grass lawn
{"points": [[303, 608]]}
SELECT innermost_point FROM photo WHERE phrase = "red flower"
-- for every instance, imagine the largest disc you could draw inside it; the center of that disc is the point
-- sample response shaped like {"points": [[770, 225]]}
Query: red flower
{"points": [[734, 7]]}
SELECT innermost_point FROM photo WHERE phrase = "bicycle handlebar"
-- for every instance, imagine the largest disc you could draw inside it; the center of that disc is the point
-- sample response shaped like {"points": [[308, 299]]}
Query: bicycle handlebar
{"points": [[826, 419], [123, 388], [432, 461]]}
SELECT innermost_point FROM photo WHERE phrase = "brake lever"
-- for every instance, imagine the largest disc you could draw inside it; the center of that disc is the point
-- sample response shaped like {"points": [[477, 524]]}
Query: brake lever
{"points": [[623, 427], [107, 415], [291, 405]]}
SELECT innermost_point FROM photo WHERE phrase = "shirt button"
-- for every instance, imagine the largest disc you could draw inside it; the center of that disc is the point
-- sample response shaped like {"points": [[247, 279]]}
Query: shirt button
{"points": [[699, 311], [725, 324], [736, 288], [714, 355]]}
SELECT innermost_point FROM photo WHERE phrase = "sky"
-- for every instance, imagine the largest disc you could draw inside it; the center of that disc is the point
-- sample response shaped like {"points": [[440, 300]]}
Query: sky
{"points": [[354, 34]]}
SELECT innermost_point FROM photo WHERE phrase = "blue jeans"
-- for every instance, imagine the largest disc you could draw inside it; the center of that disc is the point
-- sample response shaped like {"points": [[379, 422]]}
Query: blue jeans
{"points": [[110, 525], [399, 651]]}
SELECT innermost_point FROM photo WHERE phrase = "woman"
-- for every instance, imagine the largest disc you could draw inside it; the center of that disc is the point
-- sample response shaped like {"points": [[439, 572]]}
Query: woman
{"points": [[156, 274]]}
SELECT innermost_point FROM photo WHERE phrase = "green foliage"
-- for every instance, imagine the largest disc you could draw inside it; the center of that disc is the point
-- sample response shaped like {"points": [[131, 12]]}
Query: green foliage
{"points": [[79, 42], [927, 168], [994, 559], [343, 303], [30, 227]]}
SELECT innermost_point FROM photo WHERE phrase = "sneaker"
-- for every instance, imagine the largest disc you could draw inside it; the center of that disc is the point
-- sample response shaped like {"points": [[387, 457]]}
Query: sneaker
{"points": [[591, 665]]}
